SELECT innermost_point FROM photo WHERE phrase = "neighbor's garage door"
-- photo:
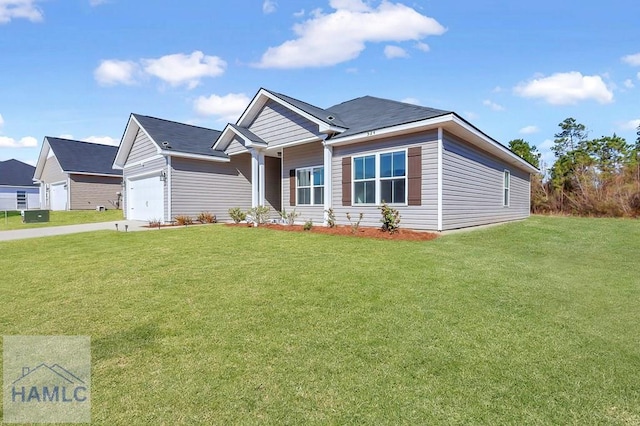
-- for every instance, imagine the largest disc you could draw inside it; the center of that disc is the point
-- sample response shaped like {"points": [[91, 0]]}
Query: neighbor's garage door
{"points": [[145, 198], [58, 196]]}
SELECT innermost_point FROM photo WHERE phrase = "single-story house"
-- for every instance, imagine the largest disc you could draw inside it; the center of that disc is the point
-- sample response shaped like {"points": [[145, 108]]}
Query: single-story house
{"points": [[17, 189], [436, 168], [77, 175]]}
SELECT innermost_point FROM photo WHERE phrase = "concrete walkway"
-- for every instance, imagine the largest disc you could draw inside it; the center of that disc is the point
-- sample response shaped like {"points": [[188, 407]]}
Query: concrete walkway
{"points": [[20, 234]]}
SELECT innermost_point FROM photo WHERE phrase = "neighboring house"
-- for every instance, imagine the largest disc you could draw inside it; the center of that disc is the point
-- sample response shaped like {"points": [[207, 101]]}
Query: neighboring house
{"points": [[17, 189], [436, 168], [76, 175]]}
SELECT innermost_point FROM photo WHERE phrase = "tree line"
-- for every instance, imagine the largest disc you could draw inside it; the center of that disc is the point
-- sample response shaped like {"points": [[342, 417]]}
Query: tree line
{"points": [[590, 177]]}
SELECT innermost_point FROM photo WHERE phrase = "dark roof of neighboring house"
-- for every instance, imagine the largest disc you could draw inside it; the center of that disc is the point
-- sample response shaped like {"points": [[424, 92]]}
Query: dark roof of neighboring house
{"points": [[16, 173], [84, 157], [370, 113], [319, 113], [181, 137]]}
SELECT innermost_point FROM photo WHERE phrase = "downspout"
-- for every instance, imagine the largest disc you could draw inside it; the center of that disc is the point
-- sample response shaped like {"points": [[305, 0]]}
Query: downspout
{"points": [[440, 154], [169, 188]]}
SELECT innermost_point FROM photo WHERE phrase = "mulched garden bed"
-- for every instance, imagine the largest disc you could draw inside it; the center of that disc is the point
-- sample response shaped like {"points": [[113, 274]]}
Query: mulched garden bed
{"points": [[365, 232]]}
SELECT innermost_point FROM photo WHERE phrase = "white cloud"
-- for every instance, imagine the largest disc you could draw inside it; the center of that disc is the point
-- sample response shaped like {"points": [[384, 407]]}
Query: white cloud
{"points": [[228, 107], [494, 106], [299, 14], [103, 140], [26, 142], [631, 124], [497, 89], [19, 9], [1, 121], [269, 6], [181, 69], [66, 136], [638, 75], [633, 60], [528, 130], [566, 88], [111, 72], [628, 83], [342, 35], [422, 46], [395, 52], [470, 115], [413, 101]]}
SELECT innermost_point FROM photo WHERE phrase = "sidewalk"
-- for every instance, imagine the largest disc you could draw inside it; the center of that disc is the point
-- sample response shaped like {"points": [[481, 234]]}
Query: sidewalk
{"points": [[20, 234]]}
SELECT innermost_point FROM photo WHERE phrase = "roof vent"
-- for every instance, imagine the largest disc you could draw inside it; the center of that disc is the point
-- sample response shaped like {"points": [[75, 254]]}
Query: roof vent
{"points": [[166, 144], [331, 118]]}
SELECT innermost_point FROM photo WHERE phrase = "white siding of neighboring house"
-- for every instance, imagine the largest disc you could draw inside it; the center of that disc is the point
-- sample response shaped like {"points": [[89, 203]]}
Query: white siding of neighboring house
{"points": [[423, 217], [473, 187], [206, 186], [278, 125], [295, 157]]}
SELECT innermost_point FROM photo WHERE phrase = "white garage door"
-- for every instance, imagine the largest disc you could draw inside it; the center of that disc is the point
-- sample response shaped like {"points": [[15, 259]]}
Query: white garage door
{"points": [[58, 196], [145, 198]]}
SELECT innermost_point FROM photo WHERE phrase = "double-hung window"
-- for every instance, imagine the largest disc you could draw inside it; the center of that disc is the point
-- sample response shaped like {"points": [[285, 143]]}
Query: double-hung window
{"points": [[506, 186], [380, 178], [310, 186]]}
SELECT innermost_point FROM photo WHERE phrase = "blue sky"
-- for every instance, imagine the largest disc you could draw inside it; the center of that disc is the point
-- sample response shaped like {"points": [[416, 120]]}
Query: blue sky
{"points": [[78, 68]]}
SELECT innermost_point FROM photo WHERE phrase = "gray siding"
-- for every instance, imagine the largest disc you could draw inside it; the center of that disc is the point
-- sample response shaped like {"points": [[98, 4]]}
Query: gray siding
{"points": [[295, 157], [473, 187], [141, 149], [87, 192], [206, 186], [278, 125], [52, 172], [424, 216], [235, 147]]}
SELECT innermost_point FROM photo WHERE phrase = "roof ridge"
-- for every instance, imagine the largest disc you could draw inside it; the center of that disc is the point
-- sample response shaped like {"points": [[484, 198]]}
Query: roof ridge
{"points": [[78, 141], [175, 122]]}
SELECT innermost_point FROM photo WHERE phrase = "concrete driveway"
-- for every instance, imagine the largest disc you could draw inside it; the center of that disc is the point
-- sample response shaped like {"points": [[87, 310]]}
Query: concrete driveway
{"points": [[20, 234]]}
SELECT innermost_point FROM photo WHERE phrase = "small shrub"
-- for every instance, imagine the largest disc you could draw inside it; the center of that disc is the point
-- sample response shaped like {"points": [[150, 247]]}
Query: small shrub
{"points": [[308, 225], [183, 220], [390, 218], [154, 223], [237, 215], [355, 225], [331, 218], [206, 217], [259, 215], [291, 217]]}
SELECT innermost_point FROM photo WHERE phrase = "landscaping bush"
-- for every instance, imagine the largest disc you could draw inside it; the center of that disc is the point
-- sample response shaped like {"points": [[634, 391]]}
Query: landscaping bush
{"points": [[390, 218], [183, 220], [308, 225], [331, 218], [206, 217], [355, 225], [259, 215], [237, 215], [154, 223], [290, 218]]}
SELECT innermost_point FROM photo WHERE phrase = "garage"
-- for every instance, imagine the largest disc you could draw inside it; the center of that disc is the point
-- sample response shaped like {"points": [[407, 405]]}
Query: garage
{"points": [[145, 199], [58, 196]]}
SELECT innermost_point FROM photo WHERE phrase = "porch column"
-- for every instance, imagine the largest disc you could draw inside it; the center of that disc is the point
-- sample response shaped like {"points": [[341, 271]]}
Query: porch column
{"points": [[255, 178], [328, 187], [261, 179]]}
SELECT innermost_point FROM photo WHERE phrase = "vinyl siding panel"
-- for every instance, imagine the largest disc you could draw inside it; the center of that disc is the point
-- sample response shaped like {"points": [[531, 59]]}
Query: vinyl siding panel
{"points": [[295, 157], [235, 147], [424, 216], [87, 192], [52, 172], [206, 186], [473, 187], [142, 148], [278, 125]]}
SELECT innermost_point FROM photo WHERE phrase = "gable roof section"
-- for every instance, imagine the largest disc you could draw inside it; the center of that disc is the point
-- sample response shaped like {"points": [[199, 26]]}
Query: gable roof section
{"points": [[370, 113], [16, 173], [78, 157], [171, 138]]}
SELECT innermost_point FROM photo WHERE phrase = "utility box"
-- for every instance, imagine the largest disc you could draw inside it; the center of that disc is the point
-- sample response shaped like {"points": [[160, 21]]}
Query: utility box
{"points": [[35, 216]]}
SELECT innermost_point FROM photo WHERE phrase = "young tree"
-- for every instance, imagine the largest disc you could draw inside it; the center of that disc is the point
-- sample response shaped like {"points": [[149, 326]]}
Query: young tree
{"points": [[571, 137], [608, 153], [525, 151]]}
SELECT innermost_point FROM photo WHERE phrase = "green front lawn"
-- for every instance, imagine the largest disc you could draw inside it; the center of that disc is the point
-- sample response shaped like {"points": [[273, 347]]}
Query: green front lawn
{"points": [[535, 322], [13, 220]]}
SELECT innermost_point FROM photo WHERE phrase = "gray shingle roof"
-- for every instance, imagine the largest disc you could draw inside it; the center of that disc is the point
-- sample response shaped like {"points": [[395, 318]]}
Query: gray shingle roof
{"points": [[184, 138], [84, 157], [16, 173], [319, 113], [370, 113], [248, 134]]}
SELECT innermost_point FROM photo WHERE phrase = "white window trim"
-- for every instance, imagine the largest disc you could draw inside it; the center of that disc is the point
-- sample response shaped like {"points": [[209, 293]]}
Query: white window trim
{"points": [[311, 187], [378, 179], [506, 202]]}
